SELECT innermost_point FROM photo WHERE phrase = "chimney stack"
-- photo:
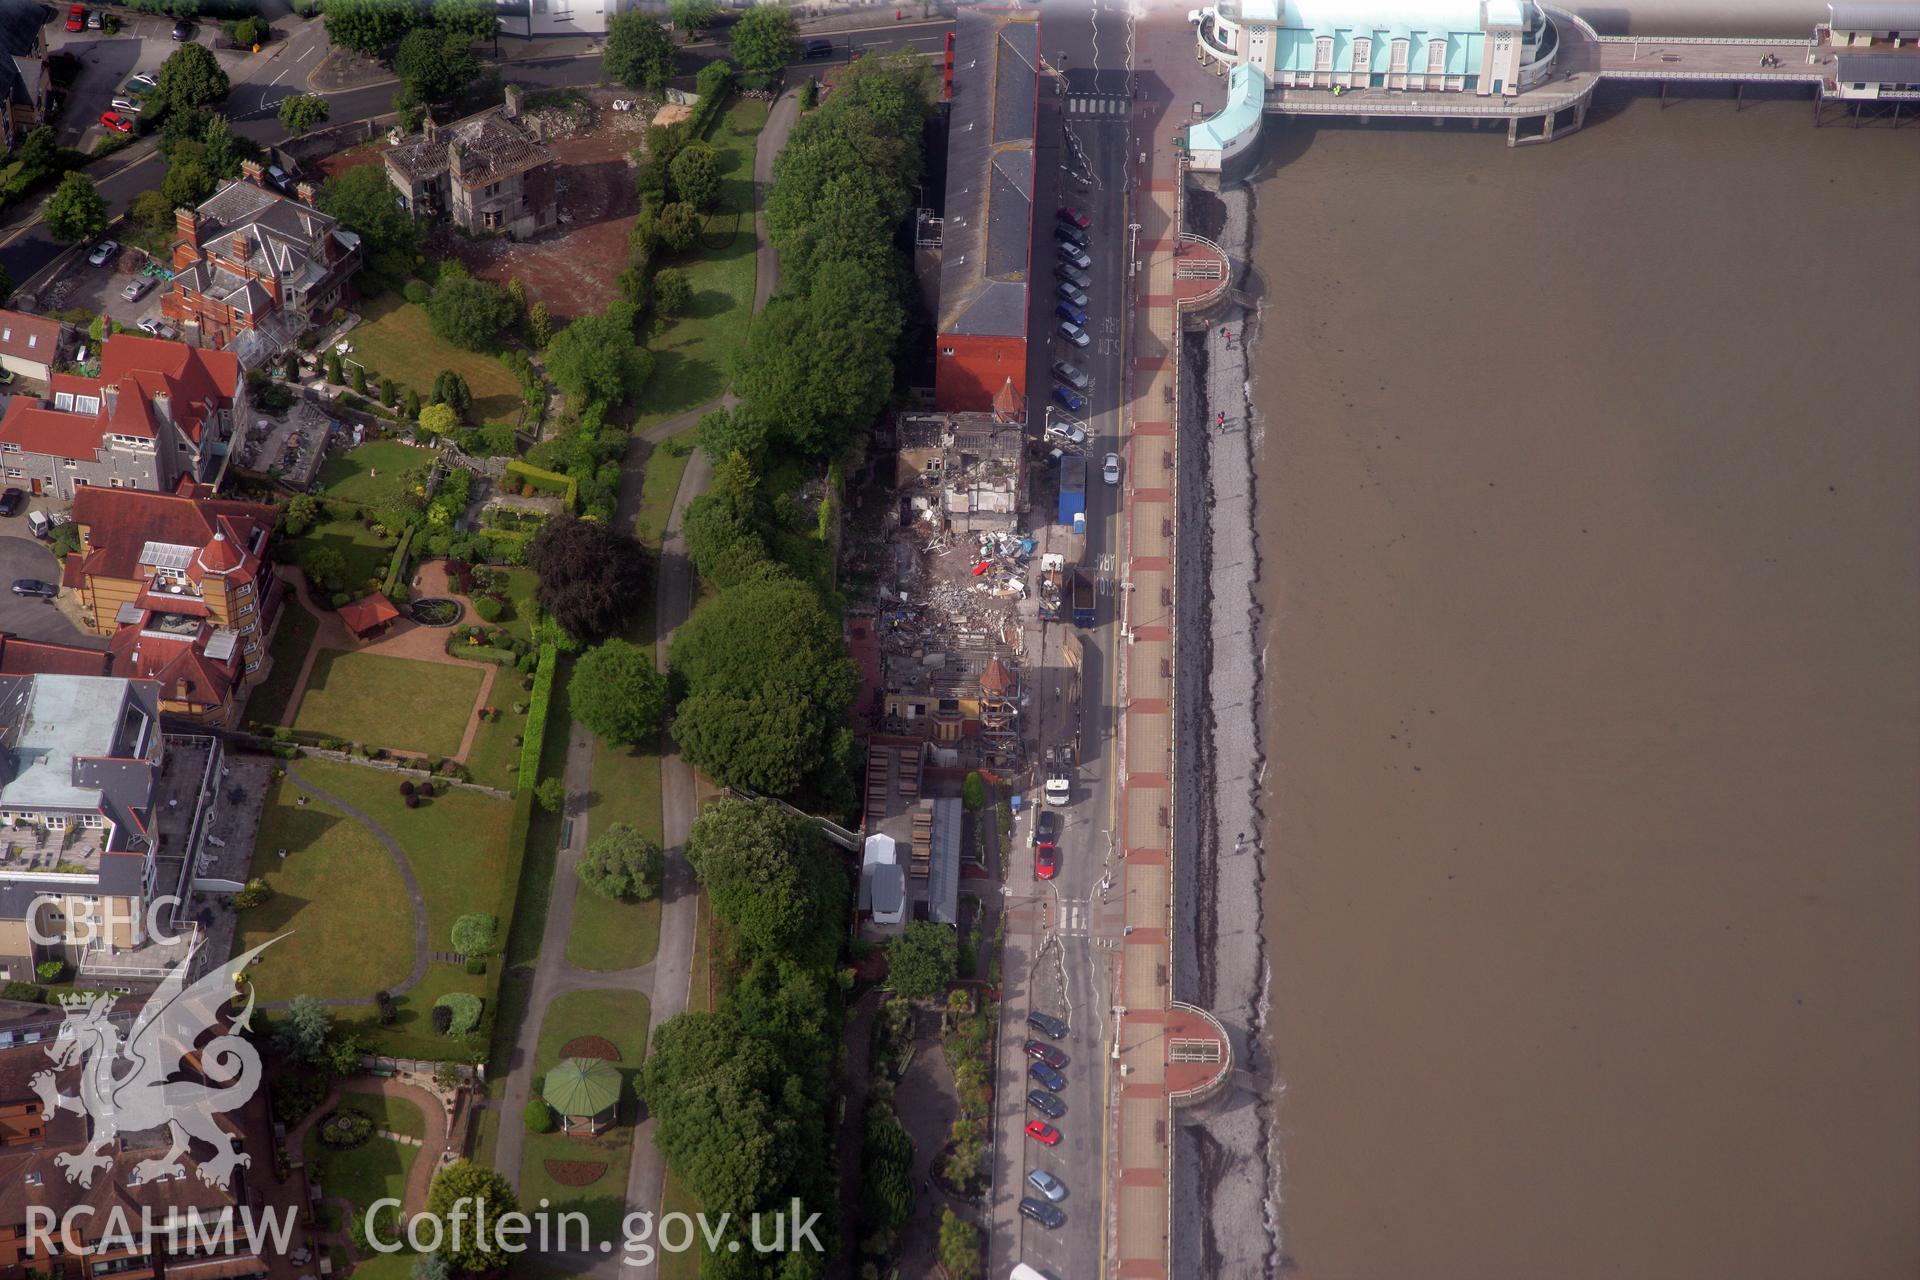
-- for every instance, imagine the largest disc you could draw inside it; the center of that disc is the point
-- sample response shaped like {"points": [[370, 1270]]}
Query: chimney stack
{"points": [[252, 171], [512, 108], [304, 192], [187, 223]]}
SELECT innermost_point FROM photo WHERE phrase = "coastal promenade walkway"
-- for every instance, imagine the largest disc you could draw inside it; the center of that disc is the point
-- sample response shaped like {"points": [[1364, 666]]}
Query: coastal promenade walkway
{"points": [[1165, 1053]]}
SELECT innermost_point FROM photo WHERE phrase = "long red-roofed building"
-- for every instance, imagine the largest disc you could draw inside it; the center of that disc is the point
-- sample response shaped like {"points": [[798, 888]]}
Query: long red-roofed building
{"points": [[159, 413]]}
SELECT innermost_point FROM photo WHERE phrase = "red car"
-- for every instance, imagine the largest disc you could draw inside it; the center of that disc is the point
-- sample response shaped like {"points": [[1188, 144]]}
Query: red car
{"points": [[1043, 1133], [1067, 213], [116, 122], [77, 18], [1046, 861]]}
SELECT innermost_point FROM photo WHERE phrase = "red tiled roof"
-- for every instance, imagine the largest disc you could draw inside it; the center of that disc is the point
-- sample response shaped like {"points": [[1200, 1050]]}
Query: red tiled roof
{"points": [[181, 666], [38, 429], [16, 327], [133, 372], [119, 522], [220, 555], [37, 658], [368, 613]]}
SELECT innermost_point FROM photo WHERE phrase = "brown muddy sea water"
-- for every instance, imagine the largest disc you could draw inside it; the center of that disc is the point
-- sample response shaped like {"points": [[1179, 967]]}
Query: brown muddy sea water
{"points": [[1589, 529]]}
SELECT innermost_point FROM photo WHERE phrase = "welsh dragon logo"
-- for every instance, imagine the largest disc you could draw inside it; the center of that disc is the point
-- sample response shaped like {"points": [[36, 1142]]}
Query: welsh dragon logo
{"points": [[128, 1084]]}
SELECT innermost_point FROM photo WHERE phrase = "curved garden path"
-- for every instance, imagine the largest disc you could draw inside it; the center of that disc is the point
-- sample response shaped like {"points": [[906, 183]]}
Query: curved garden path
{"points": [[426, 1160], [414, 895]]}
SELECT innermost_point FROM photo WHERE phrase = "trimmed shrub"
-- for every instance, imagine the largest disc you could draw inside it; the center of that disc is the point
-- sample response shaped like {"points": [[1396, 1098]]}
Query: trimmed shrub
{"points": [[463, 1012], [346, 1128], [538, 1116]]}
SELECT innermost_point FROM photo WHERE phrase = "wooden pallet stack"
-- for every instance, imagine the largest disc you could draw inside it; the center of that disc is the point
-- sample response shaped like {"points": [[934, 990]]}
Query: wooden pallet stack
{"points": [[922, 853]]}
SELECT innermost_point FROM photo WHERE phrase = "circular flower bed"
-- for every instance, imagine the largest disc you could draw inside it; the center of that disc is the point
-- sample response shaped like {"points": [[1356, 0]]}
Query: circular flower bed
{"points": [[346, 1128], [590, 1047], [435, 611], [575, 1173]]}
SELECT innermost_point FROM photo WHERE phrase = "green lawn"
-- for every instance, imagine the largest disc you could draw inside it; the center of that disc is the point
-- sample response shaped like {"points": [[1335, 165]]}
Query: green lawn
{"points": [[291, 636], [695, 354], [401, 703], [384, 1266], [366, 553], [608, 934], [495, 757], [395, 339], [375, 473], [665, 465], [395, 1115], [618, 1016], [336, 895], [675, 1198], [374, 1170], [521, 609]]}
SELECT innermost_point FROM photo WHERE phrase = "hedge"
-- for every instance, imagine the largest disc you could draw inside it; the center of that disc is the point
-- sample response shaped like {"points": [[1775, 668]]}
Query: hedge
{"points": [[547, 482], [536, 730], [397, 567]]}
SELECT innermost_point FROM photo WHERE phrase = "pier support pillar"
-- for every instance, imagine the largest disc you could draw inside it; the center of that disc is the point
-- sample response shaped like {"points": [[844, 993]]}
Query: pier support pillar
{"points": [[1513, 131], [1739, 96], [1663, 95], [1546, 126]]}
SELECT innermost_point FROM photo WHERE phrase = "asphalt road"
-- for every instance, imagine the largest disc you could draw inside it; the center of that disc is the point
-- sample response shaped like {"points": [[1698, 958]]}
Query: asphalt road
{"points": [[25, 616], [26, 248], [1082, 144]]}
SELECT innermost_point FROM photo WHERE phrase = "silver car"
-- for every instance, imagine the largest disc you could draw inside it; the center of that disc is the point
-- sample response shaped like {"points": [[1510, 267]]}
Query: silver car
{"points": [[1110, 470], [1047, 1185], [1072, 333], [1071, 293]]}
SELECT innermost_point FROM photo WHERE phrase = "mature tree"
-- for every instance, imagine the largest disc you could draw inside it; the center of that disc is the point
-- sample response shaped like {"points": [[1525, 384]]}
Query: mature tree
{"points": [[551, 793], [476, 934], [487, 1198], [540, 324], [467, 312], [763, 39], [679, 225], [672, 291], [740, 430], [436, 66], [623, 864], [639, 53], [302, 1036], [595, 359], [752, 857], [369, 26], [923, 960], [591, 576], [824, 360], [695, 172], [723, 526], [302, 112], [324, 565], [438, 419], [690, 16], [768, 679], [190, 77], [959, 1248], [362, 198], [187, 183], [450, 389], [716, 1098], [470, 19], [75, 210], [618, 692], [38, 154]]}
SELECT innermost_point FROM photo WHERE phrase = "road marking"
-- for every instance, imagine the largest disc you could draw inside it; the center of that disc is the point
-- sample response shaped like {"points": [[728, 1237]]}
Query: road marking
{"points": [[276, 80]]}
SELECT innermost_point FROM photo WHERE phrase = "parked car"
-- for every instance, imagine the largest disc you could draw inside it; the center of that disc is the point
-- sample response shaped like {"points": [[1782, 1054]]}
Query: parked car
{"points": [[77, 18], [1046, 861], [1078, 217], [96, 20], [1070, 235], [137, 289], [818, 49], [1046, 1104], [116, 122], [41, 524], [1067, 433], [1043, 1213], [6, 377], [1047, 1053], [1046, 828], [182, 31], [1068, 312], [1110, 469], [1073, 275], [1069, 399], [1042, 1132], [34, 587], [1047, 1023], [1073, 333], [1071, 292], [1047, 1185], [141, 86], [129, 106], [1074, 254], [1070, 375], [1047, 1076], [11, 501], [103, 252]]}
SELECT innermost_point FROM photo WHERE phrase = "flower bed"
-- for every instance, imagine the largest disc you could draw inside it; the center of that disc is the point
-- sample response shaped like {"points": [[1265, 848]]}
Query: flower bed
{"points": [[575, 1173]]}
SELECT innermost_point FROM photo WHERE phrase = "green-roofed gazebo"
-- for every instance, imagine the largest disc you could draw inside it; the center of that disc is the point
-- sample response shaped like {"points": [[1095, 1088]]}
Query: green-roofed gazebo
{"points": [[585, 1091]]}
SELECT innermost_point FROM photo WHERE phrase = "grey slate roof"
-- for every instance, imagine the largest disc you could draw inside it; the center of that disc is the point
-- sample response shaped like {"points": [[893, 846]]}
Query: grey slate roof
{"points": [[989, 200], [1875, 17], [1877, 68], [943, 863]]}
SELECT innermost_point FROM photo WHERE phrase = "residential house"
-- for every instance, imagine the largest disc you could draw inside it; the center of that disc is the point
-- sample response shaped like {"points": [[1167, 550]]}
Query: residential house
{"points": [[486, 173], [124, 1226], [254, 268], [26, 86], [159, 413], [182, 584], [31, 345]]}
